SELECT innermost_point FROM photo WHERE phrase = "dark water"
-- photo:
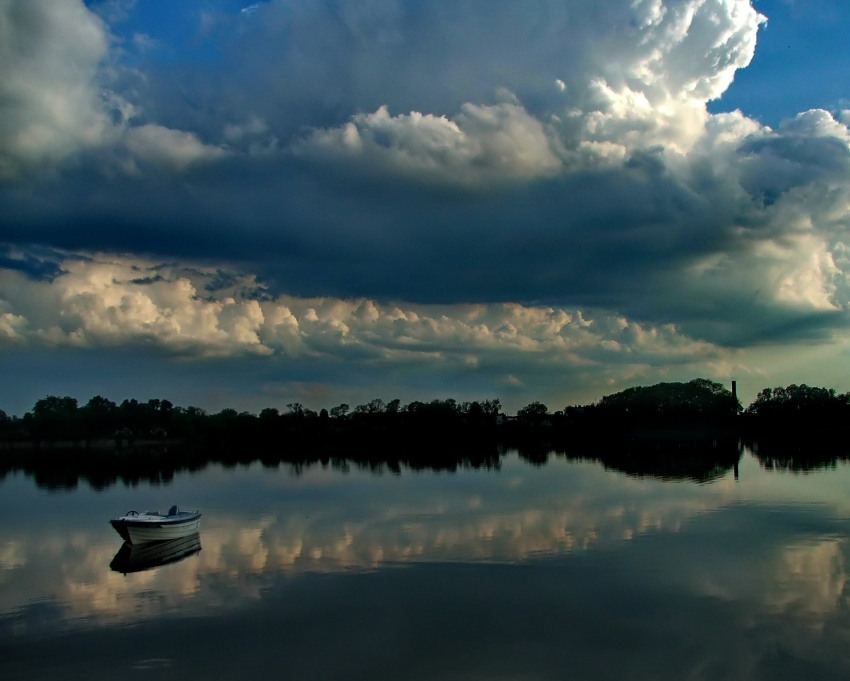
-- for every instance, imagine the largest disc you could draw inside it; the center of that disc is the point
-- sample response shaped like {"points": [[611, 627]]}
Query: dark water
{"points": [[561, 571]]}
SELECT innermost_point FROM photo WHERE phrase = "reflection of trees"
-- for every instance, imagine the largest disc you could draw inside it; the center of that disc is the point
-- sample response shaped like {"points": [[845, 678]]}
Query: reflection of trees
{"points": [[802, 453], [535, 453], [700, 460], [673, 458], [669, 458], [696, 458], [60, 470], [63, 469]]}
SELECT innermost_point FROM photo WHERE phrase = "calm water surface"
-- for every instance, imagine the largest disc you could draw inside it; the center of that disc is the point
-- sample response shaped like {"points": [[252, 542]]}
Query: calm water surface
{"points": [[560, 571]]}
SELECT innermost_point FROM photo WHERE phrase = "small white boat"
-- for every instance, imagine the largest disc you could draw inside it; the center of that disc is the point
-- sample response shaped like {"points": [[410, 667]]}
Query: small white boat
{"points": [[139, 528]]}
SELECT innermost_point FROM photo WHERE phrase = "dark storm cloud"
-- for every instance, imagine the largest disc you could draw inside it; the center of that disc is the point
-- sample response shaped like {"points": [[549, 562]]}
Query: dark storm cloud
{"points": [[576, 236], [614, 237]]}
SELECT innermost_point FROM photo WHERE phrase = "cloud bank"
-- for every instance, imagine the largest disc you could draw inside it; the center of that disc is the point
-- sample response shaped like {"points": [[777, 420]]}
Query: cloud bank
{"points": [[198, 314]]}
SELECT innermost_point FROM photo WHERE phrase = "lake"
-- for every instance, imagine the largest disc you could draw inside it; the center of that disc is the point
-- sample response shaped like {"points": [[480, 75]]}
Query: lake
{"points": [[565, 570]]}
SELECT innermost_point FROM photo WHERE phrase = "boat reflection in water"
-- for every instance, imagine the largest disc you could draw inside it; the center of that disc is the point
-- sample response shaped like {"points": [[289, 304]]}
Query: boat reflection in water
{"points": [[139, 557]]}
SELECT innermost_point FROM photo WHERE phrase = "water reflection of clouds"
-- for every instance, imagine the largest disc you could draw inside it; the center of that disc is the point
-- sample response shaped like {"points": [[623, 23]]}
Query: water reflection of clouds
{"points": [[366, 523], [810, 580], [806, 612], [237, 559], [12, 555], [804, 580], [779, 573]]}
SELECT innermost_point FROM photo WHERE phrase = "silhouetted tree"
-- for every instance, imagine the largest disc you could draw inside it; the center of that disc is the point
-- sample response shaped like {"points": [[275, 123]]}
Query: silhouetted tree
{"points": [[161, 414], [339, 411], [533, 414], [801, 406], [99, 418], [375, 406], [55, 418], [7, 430], [189, 422], [491, 407], [697, 400]]}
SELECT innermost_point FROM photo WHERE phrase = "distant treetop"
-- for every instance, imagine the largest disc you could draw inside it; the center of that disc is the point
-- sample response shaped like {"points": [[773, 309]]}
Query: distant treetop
{"points": [[699, 395]]}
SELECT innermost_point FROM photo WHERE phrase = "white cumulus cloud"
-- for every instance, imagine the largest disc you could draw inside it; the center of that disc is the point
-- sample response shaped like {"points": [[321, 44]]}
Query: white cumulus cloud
{"points": [[481, 145], [50, 105], [56, 98], [106, 302]]}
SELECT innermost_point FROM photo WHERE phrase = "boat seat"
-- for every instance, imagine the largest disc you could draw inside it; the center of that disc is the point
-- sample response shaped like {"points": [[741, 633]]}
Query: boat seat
{"points": [[172, 510]]}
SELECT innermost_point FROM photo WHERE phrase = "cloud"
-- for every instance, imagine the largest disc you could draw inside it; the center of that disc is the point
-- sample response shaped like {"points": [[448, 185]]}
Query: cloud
{"points": [[739, 240], [56, 96], [159, 145], [632, 74], [584, 84], [50, 105], [558, 156], [481, 146], [102, 303], [604, 82]]}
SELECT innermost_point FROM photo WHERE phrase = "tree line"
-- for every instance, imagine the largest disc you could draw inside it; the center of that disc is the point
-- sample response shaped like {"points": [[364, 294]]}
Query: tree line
{"points": [[699, 405], [694, 430]]}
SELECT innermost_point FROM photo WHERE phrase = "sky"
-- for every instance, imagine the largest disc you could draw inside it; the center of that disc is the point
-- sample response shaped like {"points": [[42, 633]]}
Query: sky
{"points": [[241, 205]]}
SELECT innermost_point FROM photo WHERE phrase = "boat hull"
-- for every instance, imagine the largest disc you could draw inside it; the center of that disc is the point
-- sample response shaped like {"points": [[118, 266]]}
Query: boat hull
{"points": [[141, 529]]}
